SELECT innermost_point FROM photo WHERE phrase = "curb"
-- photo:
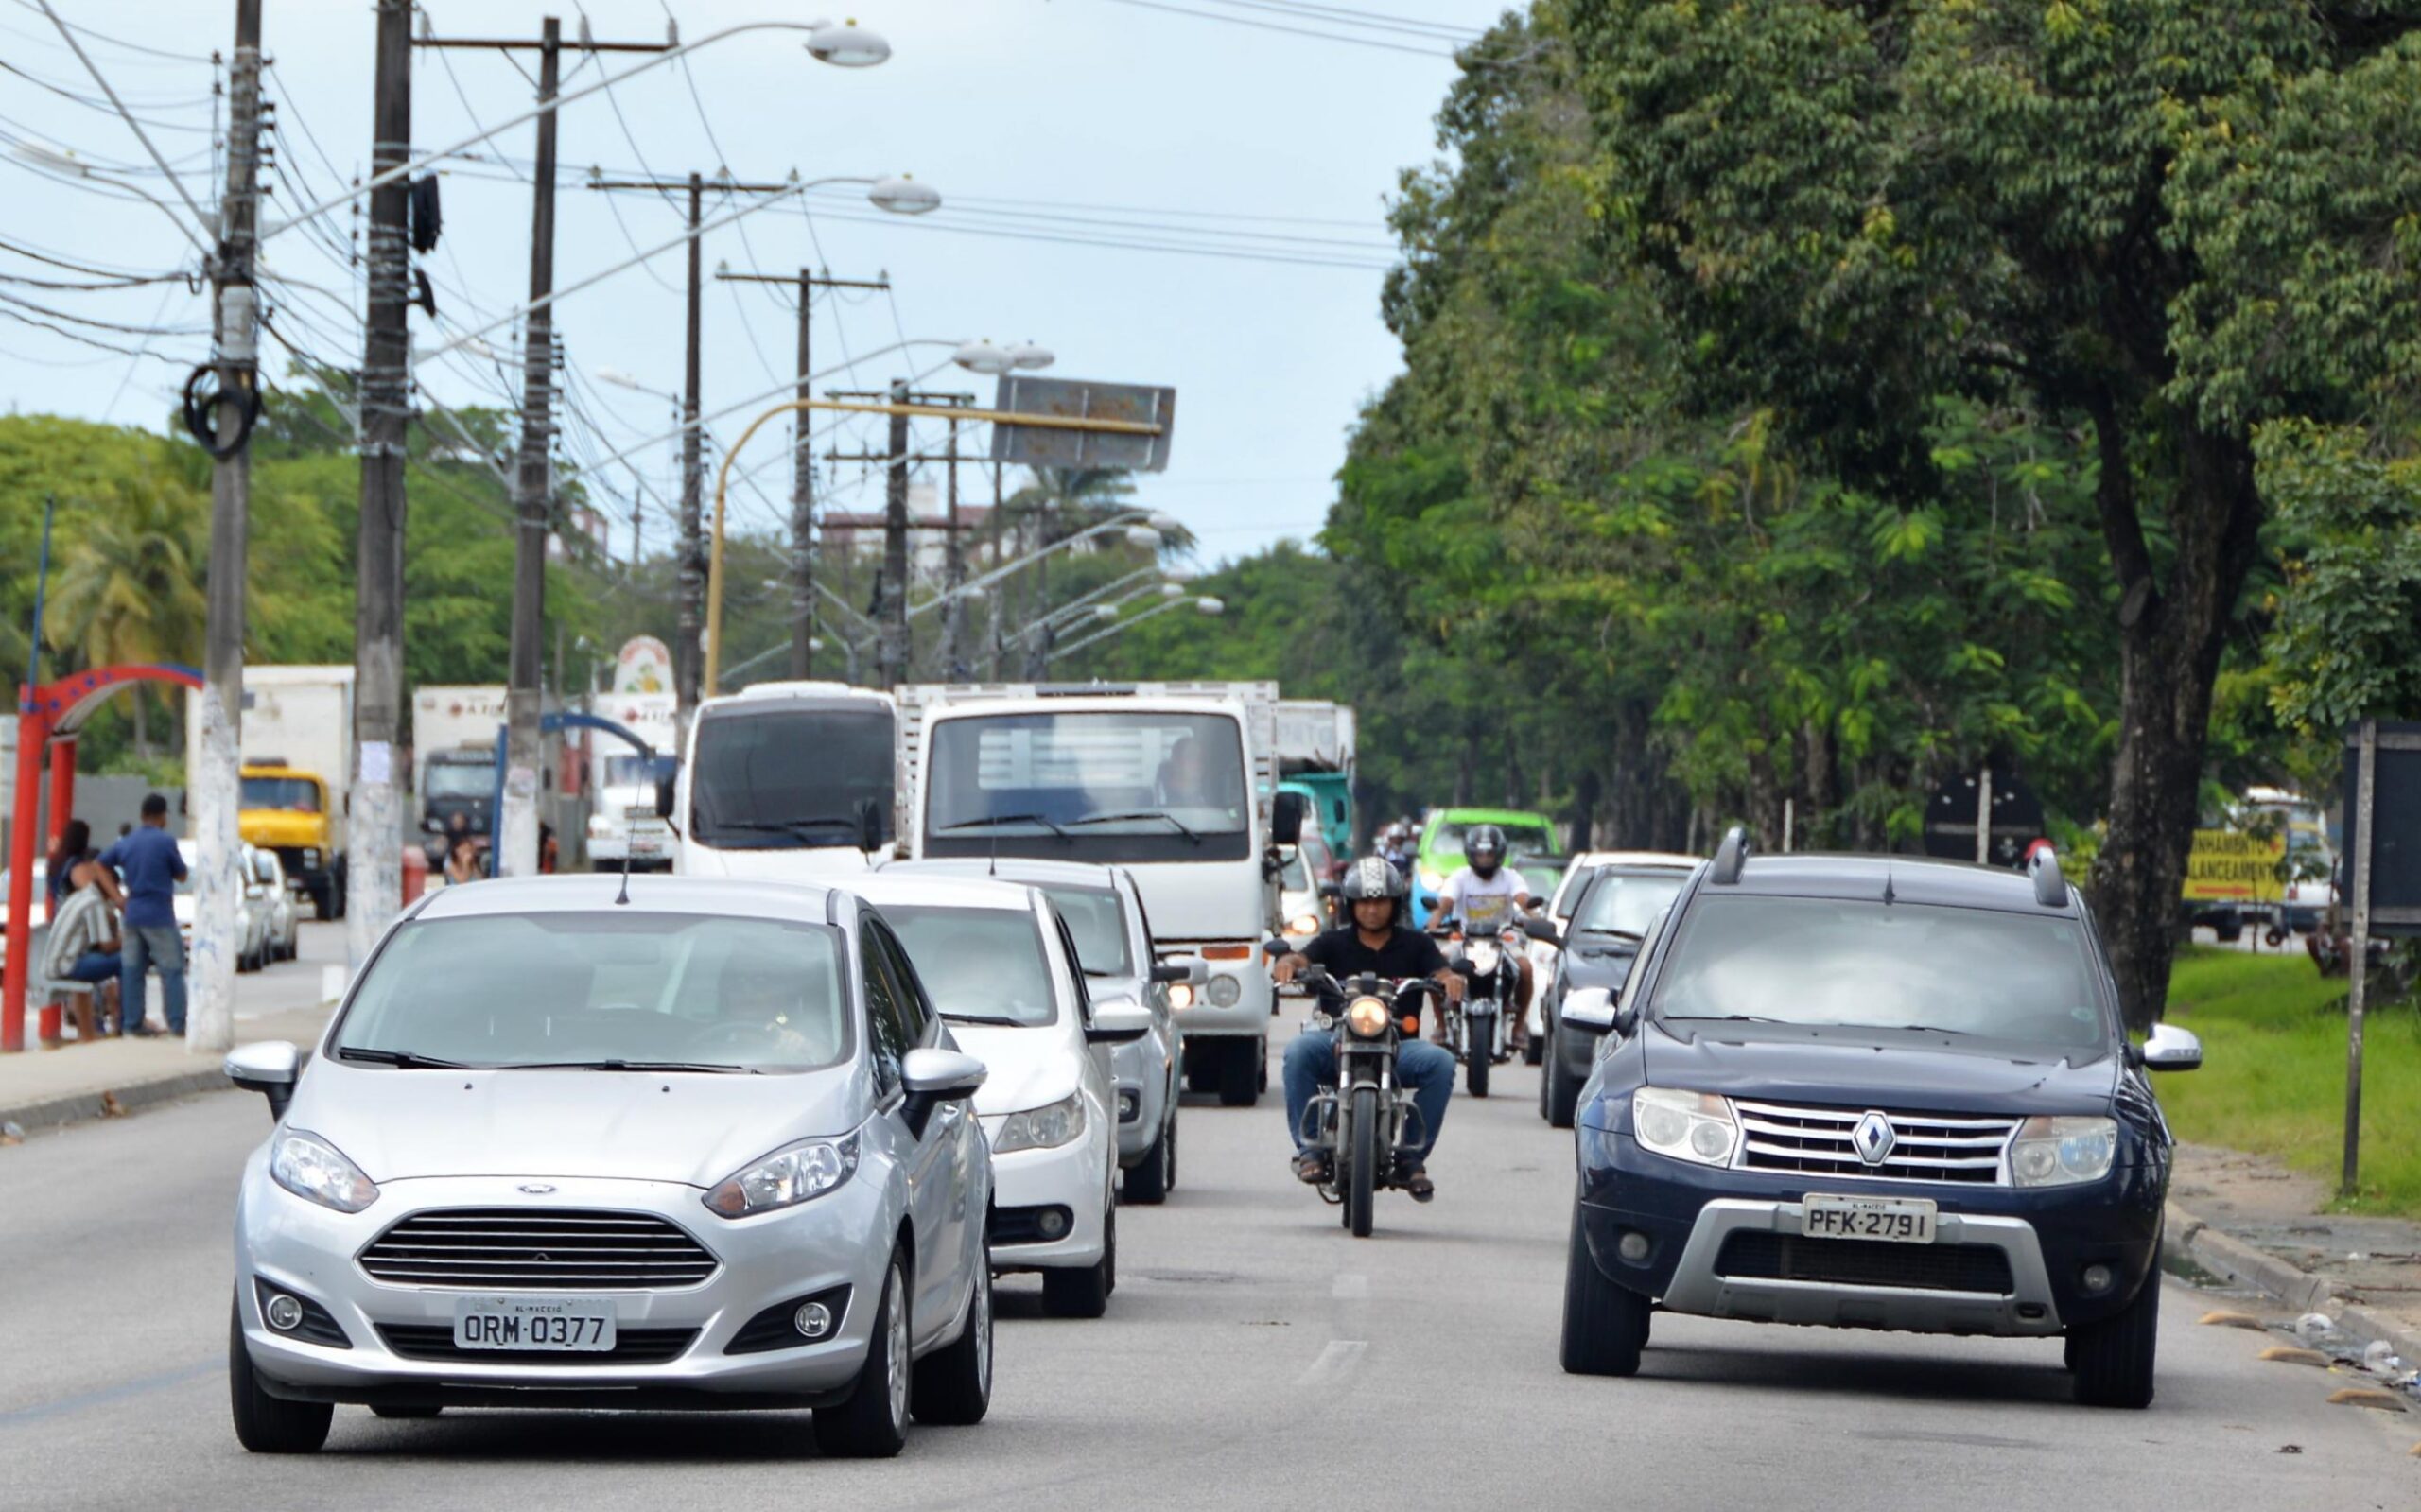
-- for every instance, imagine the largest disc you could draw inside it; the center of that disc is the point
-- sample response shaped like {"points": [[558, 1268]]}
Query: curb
{"points": [[2193, 1238], [58, 1112]]}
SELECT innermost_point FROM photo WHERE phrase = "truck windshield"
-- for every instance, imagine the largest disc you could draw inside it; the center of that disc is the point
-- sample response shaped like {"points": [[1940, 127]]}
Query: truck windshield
{"points": [[1823, 961], [460, 779], [790, 776], [299, 795], [607, 990], [1106, 785]]}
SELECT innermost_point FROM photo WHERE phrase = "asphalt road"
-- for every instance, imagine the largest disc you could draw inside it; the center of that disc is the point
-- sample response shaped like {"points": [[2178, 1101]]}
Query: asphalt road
{"points": [[1254, 1356]]}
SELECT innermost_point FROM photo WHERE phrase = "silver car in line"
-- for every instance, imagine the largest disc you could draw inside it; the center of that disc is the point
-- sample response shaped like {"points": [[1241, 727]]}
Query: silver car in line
{"points": [[573, 1142], [1103, 910]]}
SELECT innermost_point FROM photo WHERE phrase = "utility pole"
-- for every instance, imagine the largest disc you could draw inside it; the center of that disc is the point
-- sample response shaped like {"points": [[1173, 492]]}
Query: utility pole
{"points": [[953, 573], [688, 653], [210, 1018], [373, 872], [891, 660], [803, 466]]}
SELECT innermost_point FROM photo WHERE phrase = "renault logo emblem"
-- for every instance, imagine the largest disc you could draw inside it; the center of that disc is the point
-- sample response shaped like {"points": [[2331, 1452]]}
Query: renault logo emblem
{"points": [[1874, 1139], [537, 1188]]}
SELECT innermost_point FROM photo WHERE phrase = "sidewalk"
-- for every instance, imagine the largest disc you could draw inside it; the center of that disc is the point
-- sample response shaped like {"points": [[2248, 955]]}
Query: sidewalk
{"points": [[2346, 1286], [42, 1089]]}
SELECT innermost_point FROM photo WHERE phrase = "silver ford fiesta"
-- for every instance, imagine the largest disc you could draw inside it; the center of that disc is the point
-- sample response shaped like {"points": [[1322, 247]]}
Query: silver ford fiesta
{"points": [[692, 1144]]}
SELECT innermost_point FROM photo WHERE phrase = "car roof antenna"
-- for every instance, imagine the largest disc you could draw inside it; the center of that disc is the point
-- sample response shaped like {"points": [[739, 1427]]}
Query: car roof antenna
{"points": [[629, 830], [1888, 896]]}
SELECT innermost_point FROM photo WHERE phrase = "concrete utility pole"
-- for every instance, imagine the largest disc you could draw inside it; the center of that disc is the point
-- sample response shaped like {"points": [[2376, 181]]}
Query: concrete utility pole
{"points": [[803, 466], [891, 660], [687, 652], [219, 898], [374, 831], [953, 575]]}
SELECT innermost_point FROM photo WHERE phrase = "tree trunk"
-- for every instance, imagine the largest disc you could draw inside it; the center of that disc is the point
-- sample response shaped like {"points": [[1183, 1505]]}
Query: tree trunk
{"points": [[2172, 635], [1587, 788], [142, 724]]}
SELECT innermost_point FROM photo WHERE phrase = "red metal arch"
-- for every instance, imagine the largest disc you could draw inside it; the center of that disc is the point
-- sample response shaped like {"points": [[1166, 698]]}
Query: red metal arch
{"points": [[49, 719]]}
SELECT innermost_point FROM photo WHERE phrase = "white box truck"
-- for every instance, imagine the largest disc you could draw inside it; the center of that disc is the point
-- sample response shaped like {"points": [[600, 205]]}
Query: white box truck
{"points": [[1173, 781], [787, 781], [454, 729], [297, 755], [622, 821]]}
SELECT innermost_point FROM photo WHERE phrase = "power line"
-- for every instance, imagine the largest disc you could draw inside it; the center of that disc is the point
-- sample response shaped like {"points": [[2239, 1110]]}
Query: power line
{"points": [[1297, 31]]}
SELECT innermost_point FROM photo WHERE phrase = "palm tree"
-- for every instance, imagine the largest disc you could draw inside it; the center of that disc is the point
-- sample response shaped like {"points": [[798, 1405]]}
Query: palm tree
{"points": [[129, 586], [1068, 499]]}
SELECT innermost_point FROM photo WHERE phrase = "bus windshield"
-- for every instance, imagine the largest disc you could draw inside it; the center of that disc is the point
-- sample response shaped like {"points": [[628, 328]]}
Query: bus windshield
{"points": [[785, 775]]}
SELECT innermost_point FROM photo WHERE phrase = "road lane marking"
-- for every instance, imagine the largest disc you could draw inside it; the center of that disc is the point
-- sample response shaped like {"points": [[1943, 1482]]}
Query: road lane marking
{"points": [[1336, 1361]]}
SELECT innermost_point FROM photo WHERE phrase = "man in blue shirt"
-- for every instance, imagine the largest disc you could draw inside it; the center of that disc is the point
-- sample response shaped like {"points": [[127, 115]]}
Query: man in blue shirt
{"points": [[149, 868]]}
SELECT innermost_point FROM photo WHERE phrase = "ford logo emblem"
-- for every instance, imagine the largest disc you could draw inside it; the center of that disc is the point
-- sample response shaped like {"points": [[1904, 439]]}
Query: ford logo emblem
{"points": [[537, 1188]]}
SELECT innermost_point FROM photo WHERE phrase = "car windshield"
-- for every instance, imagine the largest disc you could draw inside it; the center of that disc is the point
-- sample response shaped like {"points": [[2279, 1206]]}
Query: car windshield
{"points": [[604, 990], [295, 794], [1099, 925], [1519, 837], [460, 779], [1619, 904], [1886, 966], [779, 777], [980, 965]]}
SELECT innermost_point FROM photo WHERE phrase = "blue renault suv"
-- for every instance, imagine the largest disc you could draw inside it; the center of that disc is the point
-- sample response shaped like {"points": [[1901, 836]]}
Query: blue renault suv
{"points": [[1878, 1092]]}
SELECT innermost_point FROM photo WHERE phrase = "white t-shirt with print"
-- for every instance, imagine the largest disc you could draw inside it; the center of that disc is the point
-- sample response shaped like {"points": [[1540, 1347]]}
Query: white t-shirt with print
{"points": [[1483, 905]]}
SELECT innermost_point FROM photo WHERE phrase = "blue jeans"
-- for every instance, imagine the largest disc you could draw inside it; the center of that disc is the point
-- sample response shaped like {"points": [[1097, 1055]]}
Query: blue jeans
{"points": [[95, 968], [1427, 1070], [146, 946]]}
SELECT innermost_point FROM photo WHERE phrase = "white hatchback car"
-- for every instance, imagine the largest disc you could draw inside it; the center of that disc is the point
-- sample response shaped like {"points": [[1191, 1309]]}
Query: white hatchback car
{"points": [[1006, 974], [698, 1144]]}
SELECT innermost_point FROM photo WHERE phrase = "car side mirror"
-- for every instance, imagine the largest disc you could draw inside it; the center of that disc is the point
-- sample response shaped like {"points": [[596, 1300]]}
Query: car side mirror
{"points": [[665, 782], [2171, 1049], [1286, 818], [1191, 969], [1118, 1021], [269, 1066], [931, 1077], [1540, 929], [869, 826], [1590, 1009]]}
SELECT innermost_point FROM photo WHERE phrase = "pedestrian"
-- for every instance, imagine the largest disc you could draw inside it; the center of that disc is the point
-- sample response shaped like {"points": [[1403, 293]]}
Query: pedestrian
{"points": [[83, 946], [67, 859], [148, 869], [462, 863], [550, 854]]}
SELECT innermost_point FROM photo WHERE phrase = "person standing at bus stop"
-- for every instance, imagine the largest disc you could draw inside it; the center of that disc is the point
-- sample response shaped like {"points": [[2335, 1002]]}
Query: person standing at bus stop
{"points": [[148, 869]]}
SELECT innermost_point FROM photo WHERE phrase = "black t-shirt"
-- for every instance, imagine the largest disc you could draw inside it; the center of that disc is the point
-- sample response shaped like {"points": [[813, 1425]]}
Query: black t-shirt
{"points": [[1408, 953]]}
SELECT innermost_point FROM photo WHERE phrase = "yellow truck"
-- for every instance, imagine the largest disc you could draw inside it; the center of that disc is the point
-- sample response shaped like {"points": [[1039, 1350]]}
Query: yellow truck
{"points": [[2270, 862]]}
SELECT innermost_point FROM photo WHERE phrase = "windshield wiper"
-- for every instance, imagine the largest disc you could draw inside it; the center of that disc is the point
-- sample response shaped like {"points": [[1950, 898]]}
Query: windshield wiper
{"points": [[989, 820], [1171, 819], [1733, 1019], [981, 1018], [617, 1065], [797, 828], [1619, 934], [402, 1058]]}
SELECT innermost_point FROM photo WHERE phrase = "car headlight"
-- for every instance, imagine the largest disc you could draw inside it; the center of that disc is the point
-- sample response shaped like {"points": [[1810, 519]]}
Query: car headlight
{"points": [[792, 1175], [2063, 1152], [1303, 923], [1042, 1128], [1224, 991], [1366, 1017], [310, 1166], [1693, 1126], [1180, 995]]}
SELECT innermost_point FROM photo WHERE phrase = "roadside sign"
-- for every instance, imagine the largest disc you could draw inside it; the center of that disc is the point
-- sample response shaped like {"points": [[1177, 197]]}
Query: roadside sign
{"points": [[1077, 399], [2389, 875], [2231, 866], [1950, 818], [644, 665]]}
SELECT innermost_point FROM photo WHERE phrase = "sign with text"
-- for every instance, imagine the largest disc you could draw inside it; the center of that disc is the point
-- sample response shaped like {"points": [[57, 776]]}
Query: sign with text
{"points": [[1076, 399], [2230, 866]]}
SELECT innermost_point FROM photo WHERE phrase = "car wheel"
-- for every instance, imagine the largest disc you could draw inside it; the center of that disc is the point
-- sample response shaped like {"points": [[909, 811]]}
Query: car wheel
{"points": [[406, 1412], [2112, 1358], [1605, 1326], [1535, 1051], [267, 1424], [1241, 1074], [1202, 1068], [323, 901], [953, 1385], [1084, 1294], [1562, 1091], [1147, 1180], [872, 1423]]}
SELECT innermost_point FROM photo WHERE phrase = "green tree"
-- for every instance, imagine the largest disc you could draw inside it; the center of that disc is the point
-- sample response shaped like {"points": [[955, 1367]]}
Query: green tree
{"points": [[130, 586]]}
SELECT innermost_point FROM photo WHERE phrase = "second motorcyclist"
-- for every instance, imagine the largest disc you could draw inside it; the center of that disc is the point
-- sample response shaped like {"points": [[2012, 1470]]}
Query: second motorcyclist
{"points": [[1485, 896], [1377, 941]]}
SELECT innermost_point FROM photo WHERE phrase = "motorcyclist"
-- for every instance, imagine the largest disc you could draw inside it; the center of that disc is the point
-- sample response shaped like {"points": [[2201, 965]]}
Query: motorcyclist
{"points": [[1375, 941], [1485, 896]]}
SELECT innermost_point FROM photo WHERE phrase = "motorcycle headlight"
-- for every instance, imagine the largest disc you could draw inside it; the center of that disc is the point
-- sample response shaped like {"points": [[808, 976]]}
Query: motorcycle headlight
{"points": [[310, 1166], [1432, 880], [1042, 1128], [1693, 1126], [1366, 1017], [2063, 1152], [1303, 923], [792, 1175], [1224, 991]]}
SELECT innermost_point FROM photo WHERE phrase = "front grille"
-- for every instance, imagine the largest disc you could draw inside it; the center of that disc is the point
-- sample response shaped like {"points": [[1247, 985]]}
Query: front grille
{"points": [[632, 1347], [1817, 1141], [1768, 1257], [529, 1249]]}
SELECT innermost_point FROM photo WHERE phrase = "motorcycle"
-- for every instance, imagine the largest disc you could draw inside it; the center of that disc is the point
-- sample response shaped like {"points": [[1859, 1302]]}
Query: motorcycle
{"points": [[1367, 1119], [1478, 1031]]}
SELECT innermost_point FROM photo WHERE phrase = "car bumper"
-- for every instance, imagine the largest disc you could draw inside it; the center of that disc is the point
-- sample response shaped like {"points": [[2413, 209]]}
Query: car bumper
{"points": [[1073, 1176], [301, 1247], [1142, 1070], [2004, 1261]]}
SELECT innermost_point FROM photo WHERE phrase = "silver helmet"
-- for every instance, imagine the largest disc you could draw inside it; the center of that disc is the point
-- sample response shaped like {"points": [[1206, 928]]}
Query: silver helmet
{"points": [[1372, 876]]}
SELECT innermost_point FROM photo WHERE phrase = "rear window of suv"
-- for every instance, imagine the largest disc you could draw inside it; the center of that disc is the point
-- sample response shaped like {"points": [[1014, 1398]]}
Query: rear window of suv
{"points": [[1825, 961]]}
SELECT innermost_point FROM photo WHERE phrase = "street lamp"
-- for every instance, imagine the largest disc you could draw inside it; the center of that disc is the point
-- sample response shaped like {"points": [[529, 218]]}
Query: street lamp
{"points": [[1026, 357], [902, 195], [1208, 606], [847, 46]]}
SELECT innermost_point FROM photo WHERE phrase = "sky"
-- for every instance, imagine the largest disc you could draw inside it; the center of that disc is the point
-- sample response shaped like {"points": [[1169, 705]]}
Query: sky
{"points": [[1080, 121]]}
